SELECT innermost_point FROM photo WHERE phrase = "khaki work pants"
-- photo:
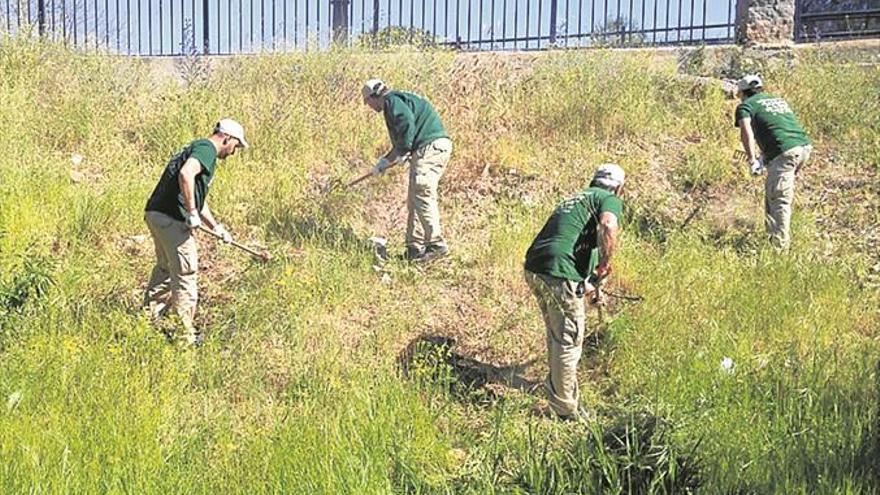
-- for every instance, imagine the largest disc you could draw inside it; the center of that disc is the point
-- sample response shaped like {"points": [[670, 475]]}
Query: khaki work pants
{"points": [[173, 283], [427, 165], [564, 319], [779, 194]]}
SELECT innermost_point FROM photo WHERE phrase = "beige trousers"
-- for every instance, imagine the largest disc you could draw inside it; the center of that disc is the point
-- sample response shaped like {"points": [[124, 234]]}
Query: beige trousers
{"points": [[564, 319], [427, 165], [779, 194], [173, 284]]}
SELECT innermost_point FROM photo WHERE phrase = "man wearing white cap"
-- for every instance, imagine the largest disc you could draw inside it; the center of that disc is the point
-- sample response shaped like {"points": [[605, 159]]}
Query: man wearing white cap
{"points": [[417, 135], [569, 257], [176, 208], [769, 120]]}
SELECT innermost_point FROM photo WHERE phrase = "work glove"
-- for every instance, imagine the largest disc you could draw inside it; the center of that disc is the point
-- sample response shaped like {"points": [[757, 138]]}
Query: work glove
{"points": [[224, 234], [757, 166], [193, 219], [381, 166]]}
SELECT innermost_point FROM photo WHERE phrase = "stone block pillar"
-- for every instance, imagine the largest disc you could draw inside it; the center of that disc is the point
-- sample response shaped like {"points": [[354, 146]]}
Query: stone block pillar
{"points": [[765, 22]]}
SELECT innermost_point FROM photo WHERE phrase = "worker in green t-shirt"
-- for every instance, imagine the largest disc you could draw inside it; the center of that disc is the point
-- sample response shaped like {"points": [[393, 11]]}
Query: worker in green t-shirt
{"points": [[417, 135], [568, 259], [768, 119], [177, 206]]}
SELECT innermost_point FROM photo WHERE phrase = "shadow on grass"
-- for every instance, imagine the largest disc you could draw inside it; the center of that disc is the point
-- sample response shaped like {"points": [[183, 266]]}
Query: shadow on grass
{"points": [[302, 229], [433, 358]]}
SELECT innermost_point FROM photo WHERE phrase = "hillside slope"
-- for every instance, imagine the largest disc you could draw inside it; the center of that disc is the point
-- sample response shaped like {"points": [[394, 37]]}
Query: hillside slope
{"points": [[324, 374]]}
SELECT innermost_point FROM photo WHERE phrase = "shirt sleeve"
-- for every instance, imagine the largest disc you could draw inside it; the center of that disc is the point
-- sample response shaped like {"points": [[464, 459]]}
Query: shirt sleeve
{"points": [[743, 111], [612, 204], [205, 154], [401, 124]]}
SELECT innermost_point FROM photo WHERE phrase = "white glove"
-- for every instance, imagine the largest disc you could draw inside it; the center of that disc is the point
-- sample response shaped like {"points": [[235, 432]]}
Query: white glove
{"points": [[381, 166], [757, 166], [193, 219], [224, 234]]}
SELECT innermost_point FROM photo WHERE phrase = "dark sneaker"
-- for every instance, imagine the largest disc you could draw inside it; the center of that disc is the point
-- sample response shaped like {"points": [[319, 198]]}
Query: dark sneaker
{"points": [[413, 253], [433, 252]]}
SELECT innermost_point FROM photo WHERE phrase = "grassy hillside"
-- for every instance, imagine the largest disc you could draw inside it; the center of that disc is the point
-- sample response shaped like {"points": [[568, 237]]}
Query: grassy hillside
{"points": [[318, 376]]}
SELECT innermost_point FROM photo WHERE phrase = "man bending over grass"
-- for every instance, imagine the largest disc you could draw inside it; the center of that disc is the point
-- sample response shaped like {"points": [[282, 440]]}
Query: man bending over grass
{"points": [[176, 208], [417, 135], [769, 120], [561, 268]]}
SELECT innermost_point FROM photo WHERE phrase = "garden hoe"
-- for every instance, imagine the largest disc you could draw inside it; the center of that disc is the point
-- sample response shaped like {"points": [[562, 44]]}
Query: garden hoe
{"points": [[261, 255], [337, 182]]}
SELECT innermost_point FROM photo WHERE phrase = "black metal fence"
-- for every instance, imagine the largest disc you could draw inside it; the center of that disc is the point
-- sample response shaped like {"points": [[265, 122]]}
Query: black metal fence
{"points": [[817, 20], [175, 27]]}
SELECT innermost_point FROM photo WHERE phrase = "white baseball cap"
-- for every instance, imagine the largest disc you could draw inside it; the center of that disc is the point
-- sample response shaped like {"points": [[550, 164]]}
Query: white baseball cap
{"points": [[232, 128], [749, 81], [373, 87], [609, 175]]}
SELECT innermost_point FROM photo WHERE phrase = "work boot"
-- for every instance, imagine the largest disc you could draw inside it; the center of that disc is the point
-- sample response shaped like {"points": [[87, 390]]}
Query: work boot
{"points": [[433, 252], [413, 253]]}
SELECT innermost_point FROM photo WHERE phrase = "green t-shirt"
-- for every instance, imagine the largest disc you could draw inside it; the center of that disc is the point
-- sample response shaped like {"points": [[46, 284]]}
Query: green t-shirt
{"points": [[776, 128], [411, 120], [166, 197], [565, 246]]}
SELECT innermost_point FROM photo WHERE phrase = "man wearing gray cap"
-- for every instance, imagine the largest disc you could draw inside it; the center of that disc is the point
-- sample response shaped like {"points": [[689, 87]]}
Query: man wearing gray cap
{"points": [[177, 207], [769, 120], [568, 259], [416, 135]]}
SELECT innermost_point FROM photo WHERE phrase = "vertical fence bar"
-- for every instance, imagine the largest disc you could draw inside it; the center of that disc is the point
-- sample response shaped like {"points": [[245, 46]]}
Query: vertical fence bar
{"points": [[240, 26], [704, 22], [149, 27], [528, 18], [492, 31], [692, 21], [457, 23], [318, 22], [263, 24], [567, 19], [480, 28], [446, 20], [41, 17], [678, 28], [654, 23], [503, 24], [666, 25], [515, 22], [553, 7], [619, 23], [206, 36], [469, 23], [729, 17], [629, 35], [412, 19], [161, 29], [642, 22], [273, 25], [192, 24], [539, 25]]}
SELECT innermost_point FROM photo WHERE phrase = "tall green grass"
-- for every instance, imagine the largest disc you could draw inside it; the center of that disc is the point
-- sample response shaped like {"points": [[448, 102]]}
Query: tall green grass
{"points": [[304, 384]]}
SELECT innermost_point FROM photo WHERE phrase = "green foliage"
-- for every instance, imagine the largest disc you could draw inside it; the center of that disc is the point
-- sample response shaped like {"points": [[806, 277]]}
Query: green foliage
{"points": [[299, 387]]}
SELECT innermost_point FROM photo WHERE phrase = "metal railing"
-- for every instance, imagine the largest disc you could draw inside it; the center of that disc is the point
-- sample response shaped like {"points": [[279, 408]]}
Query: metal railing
{"points": [[175, 27], [818, 25]]}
